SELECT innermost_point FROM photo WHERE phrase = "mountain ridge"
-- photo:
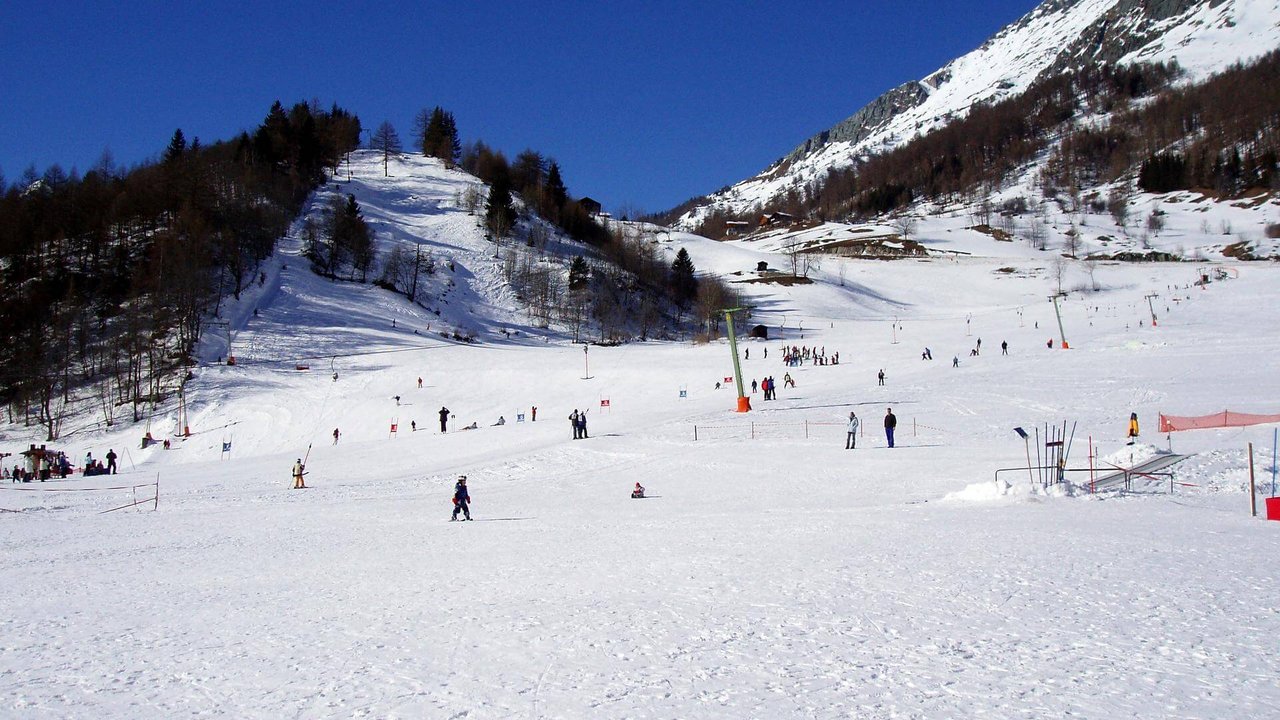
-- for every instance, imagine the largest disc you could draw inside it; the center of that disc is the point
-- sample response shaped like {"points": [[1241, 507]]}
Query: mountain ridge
{"points": [[1058, 36]]}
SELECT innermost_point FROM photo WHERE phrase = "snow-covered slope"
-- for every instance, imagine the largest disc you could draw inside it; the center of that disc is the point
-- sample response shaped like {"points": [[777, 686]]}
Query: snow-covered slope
{"points": [[771, 573], [1203, 36]]}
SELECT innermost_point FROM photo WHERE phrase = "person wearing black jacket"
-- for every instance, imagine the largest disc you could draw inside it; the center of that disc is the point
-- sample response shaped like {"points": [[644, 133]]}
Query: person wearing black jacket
{"points": [[890, 422]]}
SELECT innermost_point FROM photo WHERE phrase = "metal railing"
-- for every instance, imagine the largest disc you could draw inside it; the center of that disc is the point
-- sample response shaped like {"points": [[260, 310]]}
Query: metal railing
{"points": [[1124, 474]]}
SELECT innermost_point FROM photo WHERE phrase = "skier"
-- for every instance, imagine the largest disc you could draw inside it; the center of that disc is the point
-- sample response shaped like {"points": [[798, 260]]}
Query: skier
{"points": [[1049, 344], [111, 459], [582, 424], [1133, 428], [444, 418], [890, 422], [419, 383], [501, 421], [786, 380], [413, 425], [1004, 347], [397, 401], [533, 416], [955, 361], [461, 499], [573, 423], [335, 436], [747, 354], [851, 439], [754, 385], [298, 471], [638, 492], [880, 376]]}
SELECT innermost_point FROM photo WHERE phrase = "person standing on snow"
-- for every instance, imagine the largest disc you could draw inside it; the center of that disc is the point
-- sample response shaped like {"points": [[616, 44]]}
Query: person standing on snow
{"points": [[851, 439], [1004, 347], [444, 418], [1133, 428], [298, 471], [582, 424], [336, 435], [890, 422], [880, 376], [754, 385], [461, 499], [573, 423], [111, 456]]}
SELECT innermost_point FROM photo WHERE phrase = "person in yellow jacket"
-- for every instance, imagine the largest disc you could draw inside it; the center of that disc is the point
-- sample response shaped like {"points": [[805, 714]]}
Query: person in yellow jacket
{"points": [[1133, 427], [298, 471]]}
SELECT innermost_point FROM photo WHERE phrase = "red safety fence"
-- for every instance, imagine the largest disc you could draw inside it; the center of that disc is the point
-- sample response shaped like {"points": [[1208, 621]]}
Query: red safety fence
{"points": [[1226, 418]]}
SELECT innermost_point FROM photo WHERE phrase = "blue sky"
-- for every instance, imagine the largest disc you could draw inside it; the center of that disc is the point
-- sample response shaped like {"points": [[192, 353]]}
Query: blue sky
{"points": [[644, 104]]}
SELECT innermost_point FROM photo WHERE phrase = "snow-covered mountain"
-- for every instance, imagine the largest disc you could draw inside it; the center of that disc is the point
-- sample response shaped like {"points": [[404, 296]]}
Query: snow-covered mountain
{"points": [[1202, 36]]}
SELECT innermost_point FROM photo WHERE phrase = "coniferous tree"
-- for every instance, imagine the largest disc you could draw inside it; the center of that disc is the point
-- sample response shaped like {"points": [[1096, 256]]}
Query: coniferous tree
{"points": [[439, 138], [684, 285], [386, 141], [557, 194], [177, 146], [501, 214], [579, 273]]}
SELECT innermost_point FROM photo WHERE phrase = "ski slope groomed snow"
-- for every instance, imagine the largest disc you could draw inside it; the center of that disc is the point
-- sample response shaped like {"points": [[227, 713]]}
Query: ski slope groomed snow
{"points": [[770, 574]]}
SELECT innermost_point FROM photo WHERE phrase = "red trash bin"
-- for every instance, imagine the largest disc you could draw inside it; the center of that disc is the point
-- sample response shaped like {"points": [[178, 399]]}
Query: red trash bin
{"points": [[1273, 508]]}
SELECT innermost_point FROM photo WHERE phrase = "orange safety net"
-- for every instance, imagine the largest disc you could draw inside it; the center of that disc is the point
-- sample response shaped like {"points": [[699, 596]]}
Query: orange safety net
{"points": [[1226, 418]]}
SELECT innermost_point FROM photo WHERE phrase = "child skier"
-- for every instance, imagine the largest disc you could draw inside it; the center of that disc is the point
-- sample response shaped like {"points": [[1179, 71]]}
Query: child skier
{"points": [[461, 499]]}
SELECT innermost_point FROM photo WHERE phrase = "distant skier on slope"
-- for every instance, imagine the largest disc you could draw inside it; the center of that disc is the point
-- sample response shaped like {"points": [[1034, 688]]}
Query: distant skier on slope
{"points": [[298, 471], [638, 492], [444, 418], [890, 422], [461, 499], [851, 437]]}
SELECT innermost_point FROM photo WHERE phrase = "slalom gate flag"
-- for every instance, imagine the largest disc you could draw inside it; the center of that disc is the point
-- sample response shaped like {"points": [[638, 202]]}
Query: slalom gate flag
{"points": [[728, 380], [393, 427], [604, 403], [226, 447]]}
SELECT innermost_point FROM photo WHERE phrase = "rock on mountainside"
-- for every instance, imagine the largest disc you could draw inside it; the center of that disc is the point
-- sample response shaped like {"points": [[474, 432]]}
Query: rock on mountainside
{"points": [[1058, 36]]}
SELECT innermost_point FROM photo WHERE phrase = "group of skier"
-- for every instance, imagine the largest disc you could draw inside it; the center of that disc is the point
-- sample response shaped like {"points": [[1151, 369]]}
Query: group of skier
{"points": [[578, 421], [794, 356]]}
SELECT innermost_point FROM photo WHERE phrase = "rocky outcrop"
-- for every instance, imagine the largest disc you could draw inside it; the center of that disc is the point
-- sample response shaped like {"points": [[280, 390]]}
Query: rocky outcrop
{"points": [[866, 121]]}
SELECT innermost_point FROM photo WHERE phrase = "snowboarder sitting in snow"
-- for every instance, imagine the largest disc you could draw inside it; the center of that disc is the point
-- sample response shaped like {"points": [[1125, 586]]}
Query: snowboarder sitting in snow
{"points": [[461, 499], [638, 492]]}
